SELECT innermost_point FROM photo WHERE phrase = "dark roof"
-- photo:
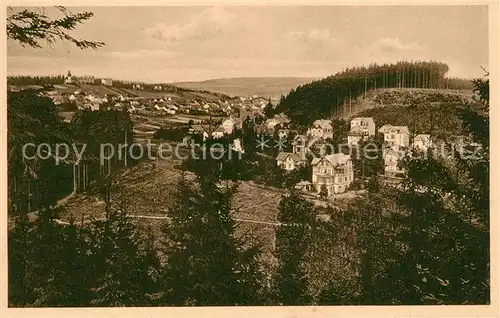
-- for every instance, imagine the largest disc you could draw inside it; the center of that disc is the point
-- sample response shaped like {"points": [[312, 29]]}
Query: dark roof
{"points": [[282, 156]]}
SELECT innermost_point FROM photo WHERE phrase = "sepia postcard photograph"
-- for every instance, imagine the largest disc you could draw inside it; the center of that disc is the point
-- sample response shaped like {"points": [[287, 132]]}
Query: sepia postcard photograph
{"points": [[231, 156]]}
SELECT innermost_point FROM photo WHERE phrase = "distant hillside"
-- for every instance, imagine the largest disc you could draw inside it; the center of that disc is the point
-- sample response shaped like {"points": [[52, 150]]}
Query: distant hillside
{"points": [[326, 97], [177, 95], [245, 86]]}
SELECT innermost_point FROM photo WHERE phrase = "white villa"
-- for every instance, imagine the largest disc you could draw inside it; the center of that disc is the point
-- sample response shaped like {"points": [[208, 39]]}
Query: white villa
{"points": [[107, 81], [361, 127], [422, 142], [321, 128], [229, 125], [279, 119], [219, 132], [237, 146], [396, 135], [335, 172], [283, 133], [289, 161], [392, 156]]}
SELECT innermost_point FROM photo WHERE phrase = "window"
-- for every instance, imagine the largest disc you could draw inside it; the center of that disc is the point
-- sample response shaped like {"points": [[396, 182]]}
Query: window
{"points": [[345, 178]]}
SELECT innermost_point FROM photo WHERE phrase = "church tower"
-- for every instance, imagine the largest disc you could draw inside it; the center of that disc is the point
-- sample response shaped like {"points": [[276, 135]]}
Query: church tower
{"points": [[69, 78]]}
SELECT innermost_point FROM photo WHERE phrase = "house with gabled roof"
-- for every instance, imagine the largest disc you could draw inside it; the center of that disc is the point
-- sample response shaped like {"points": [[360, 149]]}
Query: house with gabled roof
{"points": [[354, 137], [229, 125], [392, 157], [262, 129], [219, 132], [279, 119], [321, 128], [334, 172], [422, 142], [304, 186], [283, 133], [302, 144], [289, 161], [299, 144], [395, 135], [361, 128]]}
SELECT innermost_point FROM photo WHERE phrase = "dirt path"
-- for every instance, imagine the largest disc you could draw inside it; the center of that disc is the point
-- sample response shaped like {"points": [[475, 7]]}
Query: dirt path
{"points": [[155, 217]]}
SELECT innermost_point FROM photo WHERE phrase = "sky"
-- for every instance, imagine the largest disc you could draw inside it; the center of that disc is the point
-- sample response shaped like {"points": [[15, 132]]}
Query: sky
{"points": [[170, 44]]}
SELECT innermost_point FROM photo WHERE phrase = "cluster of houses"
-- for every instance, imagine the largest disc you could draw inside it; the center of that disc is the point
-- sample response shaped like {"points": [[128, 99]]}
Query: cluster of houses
{"points": [[334, 172], [225, 128], [228, 105], [167, 103]]}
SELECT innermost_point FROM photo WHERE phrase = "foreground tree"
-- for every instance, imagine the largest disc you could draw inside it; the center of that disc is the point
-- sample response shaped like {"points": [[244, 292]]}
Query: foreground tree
{"points": [[292, 240], [207, 264], [445, 222], [30, 27]]}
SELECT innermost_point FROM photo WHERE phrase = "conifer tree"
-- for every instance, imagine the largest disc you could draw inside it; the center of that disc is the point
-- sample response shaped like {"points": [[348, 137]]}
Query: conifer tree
{"points": [[206, 263], [20, 263], [249, 138], [445, 224], [292, 239], [115, 258]]}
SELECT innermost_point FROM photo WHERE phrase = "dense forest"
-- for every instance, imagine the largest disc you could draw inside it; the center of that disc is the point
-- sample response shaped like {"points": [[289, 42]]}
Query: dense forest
{"points": [[320, 99], [33, 119], [35, 80]]}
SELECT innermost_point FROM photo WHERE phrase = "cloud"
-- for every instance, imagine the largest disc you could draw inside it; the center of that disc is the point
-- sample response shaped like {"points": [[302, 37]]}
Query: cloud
{"points": [[389, 45], [313, 37], [312, 44], [140, 54], [205, 25]]}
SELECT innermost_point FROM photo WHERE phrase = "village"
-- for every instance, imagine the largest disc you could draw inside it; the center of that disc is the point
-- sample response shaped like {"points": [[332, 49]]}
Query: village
{"points": [[92, 93], [331, 171]]}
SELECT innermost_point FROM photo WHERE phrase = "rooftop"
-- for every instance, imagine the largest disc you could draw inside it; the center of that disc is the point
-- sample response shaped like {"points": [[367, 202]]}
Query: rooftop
{"points": [[334, 159]]}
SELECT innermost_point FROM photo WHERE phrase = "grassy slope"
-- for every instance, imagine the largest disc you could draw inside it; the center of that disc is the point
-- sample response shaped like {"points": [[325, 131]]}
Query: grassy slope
{"points": [[244, 86], [147, 190]]}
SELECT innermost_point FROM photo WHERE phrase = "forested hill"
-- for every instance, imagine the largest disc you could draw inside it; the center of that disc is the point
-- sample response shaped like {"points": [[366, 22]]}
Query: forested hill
{"points": [[323, 98]]}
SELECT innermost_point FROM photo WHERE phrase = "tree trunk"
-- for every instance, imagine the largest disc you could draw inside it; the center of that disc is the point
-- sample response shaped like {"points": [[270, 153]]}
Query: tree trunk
{"points": [[29, 195], [74, 179]]}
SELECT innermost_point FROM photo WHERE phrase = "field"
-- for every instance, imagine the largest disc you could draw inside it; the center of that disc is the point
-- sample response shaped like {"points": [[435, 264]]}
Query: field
{"points": [[178, 96]]}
